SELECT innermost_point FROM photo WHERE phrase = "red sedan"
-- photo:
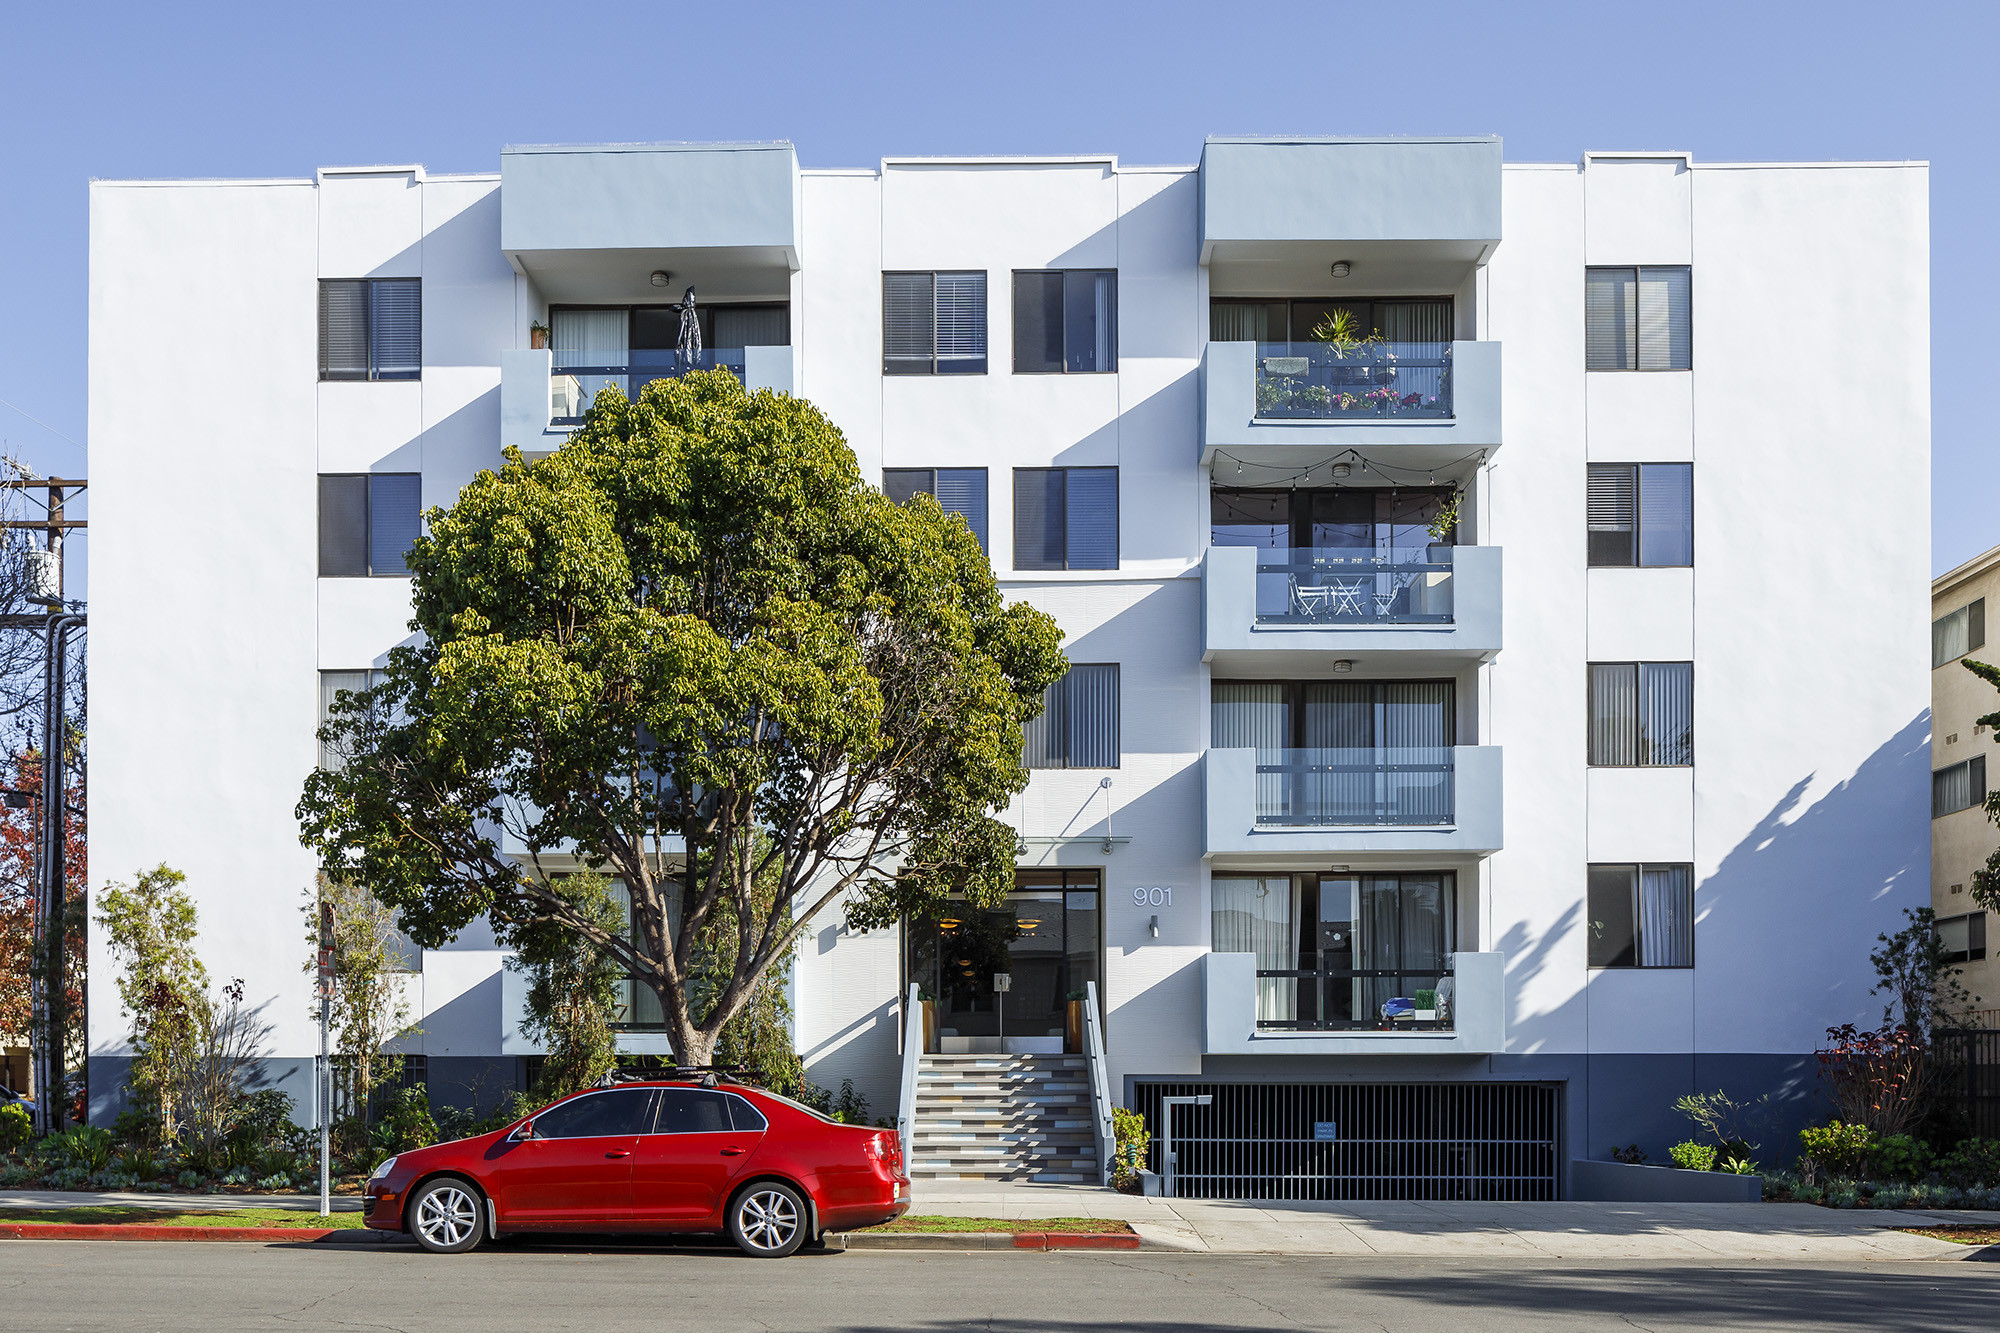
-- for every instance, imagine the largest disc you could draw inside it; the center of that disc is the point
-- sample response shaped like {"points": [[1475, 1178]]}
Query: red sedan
{"points": [[649, 1157]]}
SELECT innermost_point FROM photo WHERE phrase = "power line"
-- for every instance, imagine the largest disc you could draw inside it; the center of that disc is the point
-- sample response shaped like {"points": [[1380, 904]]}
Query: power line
{"points": [[43, 424]]}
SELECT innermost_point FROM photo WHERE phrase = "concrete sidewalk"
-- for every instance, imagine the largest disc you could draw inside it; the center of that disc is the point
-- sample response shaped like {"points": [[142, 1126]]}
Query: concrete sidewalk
{"points": [[1674, 1231]]}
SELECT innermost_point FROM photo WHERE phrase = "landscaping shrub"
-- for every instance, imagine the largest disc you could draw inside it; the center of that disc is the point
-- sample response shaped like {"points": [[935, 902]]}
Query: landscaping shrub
{"points": [[1128, 1132], [15, 1126], [85, 1147], [1692, 1156], [1899, 1157], [408, 1121], [1631, 1155], [1837, 1149], [1973, 1162]]}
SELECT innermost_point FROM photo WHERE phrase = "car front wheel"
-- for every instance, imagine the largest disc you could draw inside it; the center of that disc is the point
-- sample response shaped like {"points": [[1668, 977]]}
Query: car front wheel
{"points": [[444, 1216], [768, 1220]]}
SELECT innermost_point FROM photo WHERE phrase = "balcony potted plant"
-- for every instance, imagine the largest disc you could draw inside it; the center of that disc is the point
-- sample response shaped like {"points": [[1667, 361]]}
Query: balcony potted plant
{"points": [[538, 335], [1427, 1006], [1443, 525]]}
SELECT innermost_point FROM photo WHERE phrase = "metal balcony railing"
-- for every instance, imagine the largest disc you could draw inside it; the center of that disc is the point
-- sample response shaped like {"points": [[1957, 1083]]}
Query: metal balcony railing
{"points": [[1405, 785], [1319, 381], [576, 377]]}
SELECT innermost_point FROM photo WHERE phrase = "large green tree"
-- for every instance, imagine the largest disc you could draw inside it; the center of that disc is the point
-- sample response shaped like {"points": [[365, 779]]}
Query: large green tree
{"points": [[695, 650]]}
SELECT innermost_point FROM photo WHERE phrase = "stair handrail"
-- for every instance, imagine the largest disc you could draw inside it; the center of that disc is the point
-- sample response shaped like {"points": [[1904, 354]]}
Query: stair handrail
{"points": [[1100, 1084], [913, 1046]]}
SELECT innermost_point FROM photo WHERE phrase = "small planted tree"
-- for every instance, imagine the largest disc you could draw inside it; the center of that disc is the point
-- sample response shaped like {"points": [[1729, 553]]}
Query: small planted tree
{"points": [[1915, 970], [696, 651], [369, 1006], [162, 985]]}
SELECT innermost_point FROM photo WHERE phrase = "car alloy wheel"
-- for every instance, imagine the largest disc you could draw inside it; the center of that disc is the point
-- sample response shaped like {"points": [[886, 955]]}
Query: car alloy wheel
{"points": [[768, 1221], [445, 1217]]}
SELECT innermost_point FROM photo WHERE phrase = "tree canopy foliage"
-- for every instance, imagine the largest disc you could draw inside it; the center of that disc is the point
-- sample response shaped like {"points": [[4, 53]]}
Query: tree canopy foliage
{"points": [[694, 651]]}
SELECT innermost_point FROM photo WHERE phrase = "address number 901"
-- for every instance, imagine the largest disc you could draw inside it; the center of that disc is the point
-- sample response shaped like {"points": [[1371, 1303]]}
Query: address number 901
{"points": [[1155, 897]]}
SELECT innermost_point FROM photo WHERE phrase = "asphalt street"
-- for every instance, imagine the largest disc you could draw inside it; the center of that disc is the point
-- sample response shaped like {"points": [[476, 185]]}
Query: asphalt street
{"points": [[50, 1285]]}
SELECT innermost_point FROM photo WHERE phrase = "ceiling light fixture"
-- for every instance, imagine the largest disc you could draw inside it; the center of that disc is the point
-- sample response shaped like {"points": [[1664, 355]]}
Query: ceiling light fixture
{"points": [[1342, 470], [1342, 666], [1341, 268], [661, 277]]}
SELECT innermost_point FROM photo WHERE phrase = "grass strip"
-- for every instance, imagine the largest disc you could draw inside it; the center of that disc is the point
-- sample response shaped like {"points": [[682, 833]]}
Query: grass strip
{"points": [[1082, 1226], [119, 1215], [1958, 1235]]}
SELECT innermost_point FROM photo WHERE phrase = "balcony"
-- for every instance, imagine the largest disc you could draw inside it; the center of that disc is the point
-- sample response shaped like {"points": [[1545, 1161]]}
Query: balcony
{"points": [[1307, 803], [1251, 1011], [1395, 610], [1420, 406], [544, 394]]}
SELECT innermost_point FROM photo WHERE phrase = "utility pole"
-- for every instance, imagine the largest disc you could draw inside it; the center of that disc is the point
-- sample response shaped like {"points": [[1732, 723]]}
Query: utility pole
{"points": [[49, 988]]}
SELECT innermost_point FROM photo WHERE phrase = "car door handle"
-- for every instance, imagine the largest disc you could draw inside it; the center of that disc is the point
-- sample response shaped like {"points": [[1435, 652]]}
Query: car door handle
{"points": [[734, 1152], [622, 1152]]}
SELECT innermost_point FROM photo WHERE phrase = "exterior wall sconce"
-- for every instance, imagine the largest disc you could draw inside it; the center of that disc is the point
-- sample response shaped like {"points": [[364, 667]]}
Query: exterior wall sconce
{"points": [[1154, 926]]}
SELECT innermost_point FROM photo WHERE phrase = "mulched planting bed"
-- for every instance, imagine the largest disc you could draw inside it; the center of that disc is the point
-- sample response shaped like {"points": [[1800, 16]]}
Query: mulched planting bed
{"points": [[1963, 1235], [1068, 1226], [113, 1215]]}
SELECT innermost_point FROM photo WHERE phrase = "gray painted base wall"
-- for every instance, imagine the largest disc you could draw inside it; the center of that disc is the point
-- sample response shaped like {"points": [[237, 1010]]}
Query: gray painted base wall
{"points": [[109, 1072], [1615, 1182]]}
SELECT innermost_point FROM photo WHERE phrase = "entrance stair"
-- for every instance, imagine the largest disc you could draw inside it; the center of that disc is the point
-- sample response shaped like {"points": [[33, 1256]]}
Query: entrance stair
{"points": [[1003, 1117]]}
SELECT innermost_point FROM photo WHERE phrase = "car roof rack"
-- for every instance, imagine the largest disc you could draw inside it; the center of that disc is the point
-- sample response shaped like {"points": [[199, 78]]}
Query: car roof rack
{"points": [[708, 1076]]}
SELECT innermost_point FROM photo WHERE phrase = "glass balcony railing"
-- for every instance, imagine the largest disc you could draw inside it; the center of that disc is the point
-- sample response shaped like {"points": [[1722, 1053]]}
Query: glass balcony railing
{"points": [[576, 377], [1343, 586], [1366, 785], [1319, 381], [1415, 997]]}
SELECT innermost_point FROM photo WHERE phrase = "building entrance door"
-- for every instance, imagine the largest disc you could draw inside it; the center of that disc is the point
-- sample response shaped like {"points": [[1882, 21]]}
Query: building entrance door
{"points": [[1045, 938]]}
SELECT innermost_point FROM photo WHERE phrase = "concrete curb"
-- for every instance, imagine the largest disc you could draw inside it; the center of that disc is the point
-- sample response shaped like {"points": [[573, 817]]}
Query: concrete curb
{"points": [[132, 1231], [985, 1240]]}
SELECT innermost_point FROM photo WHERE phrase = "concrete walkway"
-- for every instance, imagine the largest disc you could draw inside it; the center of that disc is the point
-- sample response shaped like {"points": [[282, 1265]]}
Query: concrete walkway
{"points": [[1673, 1231]]}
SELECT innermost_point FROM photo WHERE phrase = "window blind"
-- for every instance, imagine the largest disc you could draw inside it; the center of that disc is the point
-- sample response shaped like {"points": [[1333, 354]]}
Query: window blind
{"points": [[1666, 514], [343, 527], [909, 315], [962, 490], [1092, 518], [961, 323], [752, 326], [343, 330], [1610, 319], [1613, 506], [396, 328], [1665, 327], [1666, 713], [1038, 323], [1040, 518], [1614, 714], [1078, 727], [395, 506]]}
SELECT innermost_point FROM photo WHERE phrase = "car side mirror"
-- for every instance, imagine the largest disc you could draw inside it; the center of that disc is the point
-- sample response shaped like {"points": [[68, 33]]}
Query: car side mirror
{"points": [[522, 1132]]}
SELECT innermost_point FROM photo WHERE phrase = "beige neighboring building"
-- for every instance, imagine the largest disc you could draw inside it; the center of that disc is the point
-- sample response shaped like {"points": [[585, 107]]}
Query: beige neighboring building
{"points": [[1962, 752]]}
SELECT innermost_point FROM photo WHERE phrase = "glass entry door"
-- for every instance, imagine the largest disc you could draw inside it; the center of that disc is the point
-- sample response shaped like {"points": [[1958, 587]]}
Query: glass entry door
{"points": [[1044, 939]]}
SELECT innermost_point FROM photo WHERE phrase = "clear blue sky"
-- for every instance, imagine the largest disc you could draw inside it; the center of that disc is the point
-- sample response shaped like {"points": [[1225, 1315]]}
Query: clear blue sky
{"points": [[275, 89]]}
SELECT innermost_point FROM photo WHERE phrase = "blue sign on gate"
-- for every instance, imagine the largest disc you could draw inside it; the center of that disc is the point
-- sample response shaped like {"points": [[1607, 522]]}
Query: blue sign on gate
{"points": [[1325, 1131]]}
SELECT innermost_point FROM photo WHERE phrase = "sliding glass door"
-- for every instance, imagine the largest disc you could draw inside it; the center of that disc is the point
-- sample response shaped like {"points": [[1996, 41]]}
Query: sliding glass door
{"points": [[1343, 752]]}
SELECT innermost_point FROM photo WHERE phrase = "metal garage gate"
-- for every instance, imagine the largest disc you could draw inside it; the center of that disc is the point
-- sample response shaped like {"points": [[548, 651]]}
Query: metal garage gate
{"points": [[1492, 1141]]}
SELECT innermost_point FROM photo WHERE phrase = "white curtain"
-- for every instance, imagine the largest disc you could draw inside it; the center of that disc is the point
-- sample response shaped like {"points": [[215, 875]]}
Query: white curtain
{"points": [[590, 331], [1256, 915], [1666, 917]]}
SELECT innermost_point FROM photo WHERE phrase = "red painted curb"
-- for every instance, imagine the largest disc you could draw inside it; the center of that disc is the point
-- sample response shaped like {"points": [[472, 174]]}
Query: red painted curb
{"points": [[1075, 1240], [117, 1231]]}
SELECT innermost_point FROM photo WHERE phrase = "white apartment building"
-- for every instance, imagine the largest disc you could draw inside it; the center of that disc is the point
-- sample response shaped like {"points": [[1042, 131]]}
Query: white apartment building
{"points": [[1439, 854]]}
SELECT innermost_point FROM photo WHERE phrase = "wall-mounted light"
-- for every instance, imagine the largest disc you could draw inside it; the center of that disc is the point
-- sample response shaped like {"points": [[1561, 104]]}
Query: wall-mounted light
{"points": [[1341, 268], [1342, 666], [661, 277], [1154, 926]]}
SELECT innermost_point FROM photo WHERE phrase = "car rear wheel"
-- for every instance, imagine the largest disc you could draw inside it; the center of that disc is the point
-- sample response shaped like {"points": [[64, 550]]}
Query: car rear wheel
{"points": [[768, 1220], [444, 1216]]}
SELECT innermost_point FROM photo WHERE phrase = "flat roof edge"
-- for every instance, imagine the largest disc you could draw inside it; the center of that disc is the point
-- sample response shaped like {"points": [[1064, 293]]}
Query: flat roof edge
{"points": [[1351, 138], [675, 146]]}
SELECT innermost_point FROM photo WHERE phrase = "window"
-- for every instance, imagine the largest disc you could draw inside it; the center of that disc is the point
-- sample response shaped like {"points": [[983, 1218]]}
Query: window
{"points": [[1078, 727], [1641, 714], [1956, 634], [635, 1004], [1408, 320], [1637, 319], [367, 523], [595, 1115], [1065, 321], [331, 683], [1959, 787], [692, 1111], [1963, 937], [933, 323], [1641, 514], [959, 490], [371, 328], [1641, 916], [1066, 518]]}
